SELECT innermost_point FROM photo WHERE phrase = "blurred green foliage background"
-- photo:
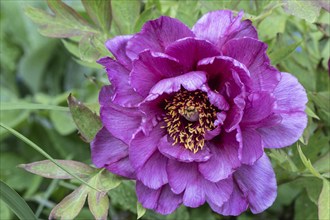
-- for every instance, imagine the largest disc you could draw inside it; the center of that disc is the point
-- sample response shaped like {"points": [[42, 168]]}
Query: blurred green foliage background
{"points": [[44, 58]]}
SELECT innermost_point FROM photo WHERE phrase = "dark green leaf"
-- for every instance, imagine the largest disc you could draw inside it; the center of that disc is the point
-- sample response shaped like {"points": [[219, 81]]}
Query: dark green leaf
{"points": [[88, 123], [15, 202]]}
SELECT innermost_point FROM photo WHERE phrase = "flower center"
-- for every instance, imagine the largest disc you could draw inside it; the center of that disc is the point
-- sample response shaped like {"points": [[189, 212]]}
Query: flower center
{"points": [[189, 115]]}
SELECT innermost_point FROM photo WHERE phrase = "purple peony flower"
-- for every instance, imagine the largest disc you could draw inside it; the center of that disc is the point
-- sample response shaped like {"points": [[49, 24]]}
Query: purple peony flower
{"points": [[189, 113]]}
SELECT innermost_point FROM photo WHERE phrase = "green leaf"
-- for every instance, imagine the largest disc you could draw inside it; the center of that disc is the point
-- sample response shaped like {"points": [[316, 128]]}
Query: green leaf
{"points": [[324, 201], [87, 50], [71, 205], [322, 164], [8, 106], [140, 210], [124, 195], [310, 113], [5, 212], [48, 169], [146, 15], [304, 208], [100, 12], [282, 53], [108, 181], [124, 15], [15, 202], [266, 28], [98, 203], [63, 122], [64, 23], [308, 10], [88, 123], [308, 163], [42, 152]]}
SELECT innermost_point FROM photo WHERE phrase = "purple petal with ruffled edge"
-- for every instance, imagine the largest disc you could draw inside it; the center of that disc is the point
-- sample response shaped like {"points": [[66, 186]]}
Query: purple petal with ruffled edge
{"points": [[236, 204], [196, 49], [111, 153], [252, 147], [123, 94], [259, 106], [252, 53], [291, 100], [117, 46], [153, 173], [258, 184], [221, 26], [150, 68], [190, 81], [178, 152], [143, 146], [162, 200], [121, 122], [224, 160], [156, 35]]}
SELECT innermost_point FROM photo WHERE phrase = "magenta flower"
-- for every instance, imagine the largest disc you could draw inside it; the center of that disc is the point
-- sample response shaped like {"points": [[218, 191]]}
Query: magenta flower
{"points": [[189, 113]]}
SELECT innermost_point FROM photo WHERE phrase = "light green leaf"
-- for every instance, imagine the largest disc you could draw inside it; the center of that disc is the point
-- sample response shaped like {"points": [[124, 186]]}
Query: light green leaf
{"points": [[282, 53], [308, 163], [124, 15], [71, 205], [310, 113], [88, 123], [323, 164], [324, 201], [140, 210], [307, 9], [42, 152], [266, 28], [108, 181], [15, 202], [5, 212], [100, 12], [48, 169], [98, 203], [65, 22], [63, 122], [87, 50]]}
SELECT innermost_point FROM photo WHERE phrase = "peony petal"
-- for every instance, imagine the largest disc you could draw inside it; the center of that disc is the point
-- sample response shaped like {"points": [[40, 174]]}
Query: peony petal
{"points": [[153, 173], [122, 93], [190, 81], [252, 147], [194, 194], [106, 149], [252, 53], [218, 193], [236, 204], [162, 200], [215, 98], [291, 100], [258, 107], [121, 122], [290, 95], [156, 35], [178, 152], [117, 46], [189, 51], [122, 167], [150, 68], [223, 69], [258, 183], [221, 26], [143, 146], [224, 160]]}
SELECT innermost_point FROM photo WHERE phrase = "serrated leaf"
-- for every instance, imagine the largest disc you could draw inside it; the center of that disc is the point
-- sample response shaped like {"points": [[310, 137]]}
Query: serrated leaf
{"points": [[64, 22], [71, 205], [100, 12], [324, 201], [88, 123], [48, 169], [98, 204], [307, 9], [140, 210], [124, 15], [282, 53]]}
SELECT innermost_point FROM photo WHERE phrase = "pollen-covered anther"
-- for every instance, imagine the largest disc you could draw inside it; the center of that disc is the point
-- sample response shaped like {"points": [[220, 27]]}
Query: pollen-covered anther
{"points": [[188, 116]]}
